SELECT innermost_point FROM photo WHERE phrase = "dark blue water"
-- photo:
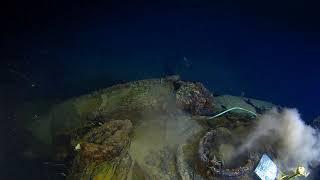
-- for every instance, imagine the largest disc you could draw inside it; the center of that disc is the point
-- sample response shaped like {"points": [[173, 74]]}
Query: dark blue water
{"points": [[52, 51]]}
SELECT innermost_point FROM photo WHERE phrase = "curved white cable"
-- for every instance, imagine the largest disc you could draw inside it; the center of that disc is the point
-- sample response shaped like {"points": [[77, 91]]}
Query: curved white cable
{"points": [[231, 109]]}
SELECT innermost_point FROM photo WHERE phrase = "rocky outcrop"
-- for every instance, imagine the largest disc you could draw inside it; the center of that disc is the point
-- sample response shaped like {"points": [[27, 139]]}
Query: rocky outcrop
{"points": [[123, 101]]}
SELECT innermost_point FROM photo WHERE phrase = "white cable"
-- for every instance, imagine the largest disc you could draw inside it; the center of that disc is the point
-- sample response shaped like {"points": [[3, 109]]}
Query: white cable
{"points": [[231, 109]]}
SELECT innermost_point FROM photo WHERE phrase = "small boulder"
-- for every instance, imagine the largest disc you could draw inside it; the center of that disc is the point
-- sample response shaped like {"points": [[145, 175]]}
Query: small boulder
{"points": [[194, 98]]}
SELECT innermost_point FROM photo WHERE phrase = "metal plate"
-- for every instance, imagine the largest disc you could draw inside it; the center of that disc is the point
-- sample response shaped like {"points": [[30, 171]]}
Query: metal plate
{"points": [[266, 169]]}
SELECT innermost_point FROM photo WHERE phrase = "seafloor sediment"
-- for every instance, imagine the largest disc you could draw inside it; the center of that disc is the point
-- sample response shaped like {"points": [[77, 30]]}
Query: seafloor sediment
{"points": [[148, 129]]}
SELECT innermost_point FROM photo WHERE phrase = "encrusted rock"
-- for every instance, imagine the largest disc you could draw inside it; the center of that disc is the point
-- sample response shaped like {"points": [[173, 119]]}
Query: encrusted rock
{"points": [[194, 98]]}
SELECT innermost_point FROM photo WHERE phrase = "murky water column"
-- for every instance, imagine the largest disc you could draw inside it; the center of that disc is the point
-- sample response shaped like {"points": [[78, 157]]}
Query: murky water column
{"points": [[156, 141]]}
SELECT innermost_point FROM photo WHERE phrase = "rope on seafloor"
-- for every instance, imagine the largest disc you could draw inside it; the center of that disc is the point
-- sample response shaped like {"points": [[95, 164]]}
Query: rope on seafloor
{"points": [[231, 109]]}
